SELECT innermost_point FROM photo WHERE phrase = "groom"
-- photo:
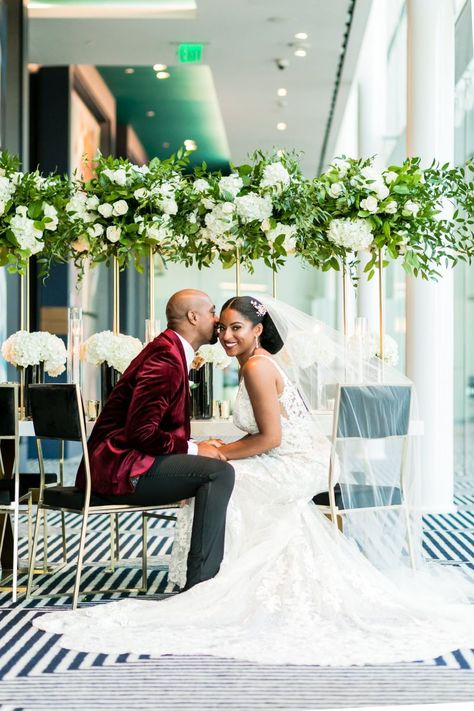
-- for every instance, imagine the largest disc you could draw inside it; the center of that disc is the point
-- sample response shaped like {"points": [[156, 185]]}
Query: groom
{"points": [[140, 446]]}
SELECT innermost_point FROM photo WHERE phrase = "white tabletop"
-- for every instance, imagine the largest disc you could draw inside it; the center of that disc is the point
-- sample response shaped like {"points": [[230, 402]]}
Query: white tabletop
{"points": [[225, 428]]}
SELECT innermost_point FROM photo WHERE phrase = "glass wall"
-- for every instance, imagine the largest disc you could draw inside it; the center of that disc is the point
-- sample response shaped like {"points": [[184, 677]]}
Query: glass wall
{"points": [[464, 274]]}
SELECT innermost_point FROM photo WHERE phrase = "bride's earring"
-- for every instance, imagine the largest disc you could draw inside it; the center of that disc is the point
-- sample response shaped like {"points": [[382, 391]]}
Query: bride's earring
{"points": [[257, 343]]}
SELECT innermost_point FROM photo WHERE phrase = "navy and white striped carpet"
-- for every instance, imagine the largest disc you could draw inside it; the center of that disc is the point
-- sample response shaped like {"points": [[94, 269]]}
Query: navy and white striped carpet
{"points": [[36, 673]]}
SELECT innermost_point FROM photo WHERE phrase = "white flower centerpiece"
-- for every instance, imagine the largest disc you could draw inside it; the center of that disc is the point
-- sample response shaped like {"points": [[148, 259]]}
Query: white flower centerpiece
{"points": [[256, 212], [33, 354], [113, 353]]}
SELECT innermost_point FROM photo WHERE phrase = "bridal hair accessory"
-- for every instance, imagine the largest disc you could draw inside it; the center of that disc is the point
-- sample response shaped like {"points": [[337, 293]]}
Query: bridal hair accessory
{"points": [[259, 308]]}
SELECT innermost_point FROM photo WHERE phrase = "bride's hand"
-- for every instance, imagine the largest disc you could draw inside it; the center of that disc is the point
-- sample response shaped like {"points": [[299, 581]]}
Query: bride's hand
{"points": [[215, 442]]}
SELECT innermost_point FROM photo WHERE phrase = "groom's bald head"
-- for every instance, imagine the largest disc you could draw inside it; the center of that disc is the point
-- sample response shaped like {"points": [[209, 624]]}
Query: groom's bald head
{"points": [[191, 313]]}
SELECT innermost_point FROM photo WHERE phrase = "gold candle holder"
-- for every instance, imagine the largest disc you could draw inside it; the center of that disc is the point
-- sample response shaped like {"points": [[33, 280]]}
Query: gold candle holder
{"points": [[381, 353], [237, 271], [116, 297]]}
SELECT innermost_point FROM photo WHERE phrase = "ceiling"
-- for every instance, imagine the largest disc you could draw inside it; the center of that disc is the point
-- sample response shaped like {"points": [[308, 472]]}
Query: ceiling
{"points": [[229, 102]]}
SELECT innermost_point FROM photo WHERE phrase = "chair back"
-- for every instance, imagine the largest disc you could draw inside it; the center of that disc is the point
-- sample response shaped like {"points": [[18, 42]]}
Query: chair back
{"points": [[57, 411], [8, 410], [373, 411]]}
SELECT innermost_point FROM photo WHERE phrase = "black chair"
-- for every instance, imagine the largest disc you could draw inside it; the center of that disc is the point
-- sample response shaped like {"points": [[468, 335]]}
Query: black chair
{"points": [[368, 412], [58, 413], [15, 487]]}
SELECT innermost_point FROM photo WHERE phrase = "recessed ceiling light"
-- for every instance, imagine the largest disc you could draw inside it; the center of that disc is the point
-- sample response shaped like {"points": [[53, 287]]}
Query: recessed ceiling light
{"points": [[162, 75], [160, 67], [190, 144], [282, 91], [130, 70], [300, 53], [301, 35], [150, 114], [165, 144], [281, 126]]}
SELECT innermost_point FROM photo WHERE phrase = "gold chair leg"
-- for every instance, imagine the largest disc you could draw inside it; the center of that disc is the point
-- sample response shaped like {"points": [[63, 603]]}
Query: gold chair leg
{"points": [[117, 538], [39, 511], [45, 541], [80, 557], [30, 526], [144, 552], [111, 567]]}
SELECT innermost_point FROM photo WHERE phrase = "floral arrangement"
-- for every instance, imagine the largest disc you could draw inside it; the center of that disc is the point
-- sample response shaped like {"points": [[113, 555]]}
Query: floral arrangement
{"points": [[23, 349], [125, 210], [261, 210], [390, 348], [117, 351], [399, 210], [214, 354], [30, 209]]}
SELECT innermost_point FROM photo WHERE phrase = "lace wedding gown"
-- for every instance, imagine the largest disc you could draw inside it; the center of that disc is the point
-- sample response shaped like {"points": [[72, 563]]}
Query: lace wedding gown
{"points": [[291, 589]]}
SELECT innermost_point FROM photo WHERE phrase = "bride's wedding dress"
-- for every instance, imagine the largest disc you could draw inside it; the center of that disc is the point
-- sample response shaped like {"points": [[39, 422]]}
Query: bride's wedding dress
{"points": [[291, 589]]}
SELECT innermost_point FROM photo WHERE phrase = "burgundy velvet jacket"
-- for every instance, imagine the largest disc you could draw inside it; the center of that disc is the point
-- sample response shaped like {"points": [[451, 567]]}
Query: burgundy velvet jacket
{"points": [[147, 414]]}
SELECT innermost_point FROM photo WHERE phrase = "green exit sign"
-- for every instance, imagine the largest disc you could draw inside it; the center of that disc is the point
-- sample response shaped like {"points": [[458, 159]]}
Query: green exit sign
{"points": [[190, 52]]}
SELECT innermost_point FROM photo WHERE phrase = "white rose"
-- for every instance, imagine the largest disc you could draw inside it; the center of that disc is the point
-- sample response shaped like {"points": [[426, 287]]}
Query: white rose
{"points": [[92, 202], [140, 193], [95, 230], [390, 176], [113, 233], [335, 190], [371, 174], [51, 212], [370, 204], [230, 184], [120, 177], [381, 191], [105, 209], [120, 207], [208, 203], [391, 207], [289, 232], [410, 208]]}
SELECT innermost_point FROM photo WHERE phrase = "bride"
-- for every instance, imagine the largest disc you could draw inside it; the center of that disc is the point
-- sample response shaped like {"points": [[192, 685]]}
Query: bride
{"points": [[291, 588]]}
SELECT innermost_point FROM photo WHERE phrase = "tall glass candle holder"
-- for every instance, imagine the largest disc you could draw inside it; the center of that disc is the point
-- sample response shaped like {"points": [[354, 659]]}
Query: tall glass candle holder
{"points": [[74, 343], [152, 329]]}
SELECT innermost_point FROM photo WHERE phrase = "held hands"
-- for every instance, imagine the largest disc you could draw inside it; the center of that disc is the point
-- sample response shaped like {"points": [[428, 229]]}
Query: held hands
{"points": [[210, 448]]}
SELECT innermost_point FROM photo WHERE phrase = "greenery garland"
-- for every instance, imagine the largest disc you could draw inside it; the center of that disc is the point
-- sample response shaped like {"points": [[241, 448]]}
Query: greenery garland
{"points": [[264, 209]]}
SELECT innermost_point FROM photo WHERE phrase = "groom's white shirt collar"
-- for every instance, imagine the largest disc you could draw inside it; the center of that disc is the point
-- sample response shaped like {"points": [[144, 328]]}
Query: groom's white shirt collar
{"points": [[188, 350]]}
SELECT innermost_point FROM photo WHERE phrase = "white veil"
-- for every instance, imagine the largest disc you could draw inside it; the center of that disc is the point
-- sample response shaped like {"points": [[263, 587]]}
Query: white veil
{"points": [[374, 474]]}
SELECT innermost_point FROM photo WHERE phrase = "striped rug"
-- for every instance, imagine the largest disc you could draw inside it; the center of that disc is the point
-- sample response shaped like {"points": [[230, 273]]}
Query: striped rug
{"points": [[36, 673]]}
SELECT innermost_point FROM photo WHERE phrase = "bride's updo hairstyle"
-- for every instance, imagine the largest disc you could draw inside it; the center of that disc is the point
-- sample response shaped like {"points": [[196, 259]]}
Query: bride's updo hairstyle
{"points": [[255, 312]]}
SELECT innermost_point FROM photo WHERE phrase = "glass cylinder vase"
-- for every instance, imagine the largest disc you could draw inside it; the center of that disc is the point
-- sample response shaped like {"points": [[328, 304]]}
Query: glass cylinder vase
{"points": [[74, 343], [201, 392], [109, 378], [33, 375]]}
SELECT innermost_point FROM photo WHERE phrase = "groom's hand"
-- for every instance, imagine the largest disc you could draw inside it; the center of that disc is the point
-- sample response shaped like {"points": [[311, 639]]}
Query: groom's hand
{"points": [[205, 449]]}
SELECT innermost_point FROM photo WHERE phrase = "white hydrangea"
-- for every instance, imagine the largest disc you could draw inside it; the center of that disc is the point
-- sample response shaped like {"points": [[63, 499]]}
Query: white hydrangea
{"points": [[214, 354], [7, 188], [117, 351], [23, 349], [289, 231], [201, 186], [275, 176], [253, 207], [78, 207], [351, 234], [29, 238], [230, 185], [221, 218]]}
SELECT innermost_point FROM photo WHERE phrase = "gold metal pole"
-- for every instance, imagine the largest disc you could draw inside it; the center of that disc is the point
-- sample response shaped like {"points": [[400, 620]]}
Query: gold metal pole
{"points": [[237, 271], [22, 302], [274, 284], [116, 297], [151, 276], [344, 297], [27, 297], [381, 304]]}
